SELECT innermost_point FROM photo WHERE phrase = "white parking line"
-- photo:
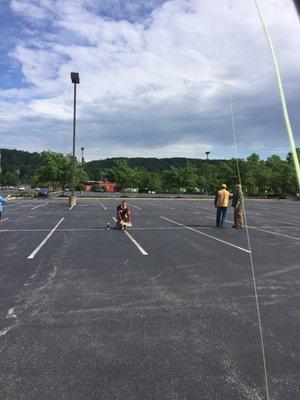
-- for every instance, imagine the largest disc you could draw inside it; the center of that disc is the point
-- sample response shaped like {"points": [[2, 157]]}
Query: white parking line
{"points": [[103, 205], [5, 219], [271, 218], [273, 233], [141, 249], [136, 243], [41, 205], [263, 230], [205, 234], [71, 208], [132, 205], [32, 255]]}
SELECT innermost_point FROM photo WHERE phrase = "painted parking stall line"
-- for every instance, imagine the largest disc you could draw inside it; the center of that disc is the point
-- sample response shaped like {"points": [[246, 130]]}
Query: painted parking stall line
{"points": [[41, 205], [71, 208], [263, 230], [141, 249], [136, 243], [103, 205], [33, 254], [205, 234], [251, 215]]}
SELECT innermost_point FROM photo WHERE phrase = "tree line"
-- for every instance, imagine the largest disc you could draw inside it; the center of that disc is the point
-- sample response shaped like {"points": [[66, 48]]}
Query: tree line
{"points": [[271, 177]]}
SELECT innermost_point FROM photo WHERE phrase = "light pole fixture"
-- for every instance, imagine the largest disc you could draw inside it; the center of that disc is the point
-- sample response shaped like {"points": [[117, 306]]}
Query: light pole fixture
{"points": [[75, 81], [207, 154], [82, 158]]}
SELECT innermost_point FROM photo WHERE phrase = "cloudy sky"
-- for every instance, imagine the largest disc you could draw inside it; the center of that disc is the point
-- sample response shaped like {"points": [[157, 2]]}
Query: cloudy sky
{"points": [[154, 76]]}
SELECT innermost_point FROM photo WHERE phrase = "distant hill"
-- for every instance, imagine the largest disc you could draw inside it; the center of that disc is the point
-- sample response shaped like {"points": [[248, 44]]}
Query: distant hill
{"points": [[21, 164], [271, 177], [150, 164]]}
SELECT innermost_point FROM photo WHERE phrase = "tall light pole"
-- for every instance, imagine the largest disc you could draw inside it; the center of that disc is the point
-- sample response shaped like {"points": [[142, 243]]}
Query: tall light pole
{"points": [[75, 81], [207, 154], [82, 158]]}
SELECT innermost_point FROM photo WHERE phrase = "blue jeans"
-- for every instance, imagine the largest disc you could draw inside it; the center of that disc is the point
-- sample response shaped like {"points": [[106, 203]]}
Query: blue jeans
{"points": [[221, 215]]}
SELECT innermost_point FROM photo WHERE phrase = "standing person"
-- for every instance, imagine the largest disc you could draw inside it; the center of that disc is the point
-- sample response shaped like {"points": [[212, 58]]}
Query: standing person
{"points": [[237, 203], [221, 203], [3, 200]]}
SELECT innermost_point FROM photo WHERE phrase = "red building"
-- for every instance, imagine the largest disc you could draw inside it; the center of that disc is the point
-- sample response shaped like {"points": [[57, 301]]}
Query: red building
{"points": [[108, 186]]}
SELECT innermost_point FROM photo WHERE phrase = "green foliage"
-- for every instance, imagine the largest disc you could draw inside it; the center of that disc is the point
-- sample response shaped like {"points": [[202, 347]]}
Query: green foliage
{"points": [[150, 181], [271, 177], [96, 187], [18, 166], [124, 175], [56, 171], [10, 179]]}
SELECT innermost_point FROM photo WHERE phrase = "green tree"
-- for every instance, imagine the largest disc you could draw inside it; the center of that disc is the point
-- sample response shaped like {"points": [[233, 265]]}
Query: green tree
{"points": [[289, 157], [150, 181], [277, 170], [10, 179], [190, 177], [172, 179], [208, 177], [291, 178], [56, 171], [124, 175], [178, 178]]}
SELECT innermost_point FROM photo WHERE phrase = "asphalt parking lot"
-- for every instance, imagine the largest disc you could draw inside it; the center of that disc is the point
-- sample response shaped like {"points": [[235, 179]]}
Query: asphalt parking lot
{"points": [[166, 310]]}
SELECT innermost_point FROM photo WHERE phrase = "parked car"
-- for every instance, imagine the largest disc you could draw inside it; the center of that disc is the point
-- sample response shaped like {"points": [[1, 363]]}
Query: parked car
{"points": [[43, 192]]}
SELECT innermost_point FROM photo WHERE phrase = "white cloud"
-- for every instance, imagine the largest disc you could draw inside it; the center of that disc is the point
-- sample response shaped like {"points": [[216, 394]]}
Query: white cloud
{"points": [[155, 84]]}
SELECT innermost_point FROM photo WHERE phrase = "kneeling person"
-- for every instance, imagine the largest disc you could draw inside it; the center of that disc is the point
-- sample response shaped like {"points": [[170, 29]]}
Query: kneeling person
{"points": [[123, 216]]}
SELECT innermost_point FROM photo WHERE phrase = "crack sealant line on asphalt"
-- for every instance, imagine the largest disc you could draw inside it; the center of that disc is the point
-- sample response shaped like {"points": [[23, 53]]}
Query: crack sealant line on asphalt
{"points": [[32, 255], [160, 205], [141, 249], [262, 230], [205, 234], [41, 205]]}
